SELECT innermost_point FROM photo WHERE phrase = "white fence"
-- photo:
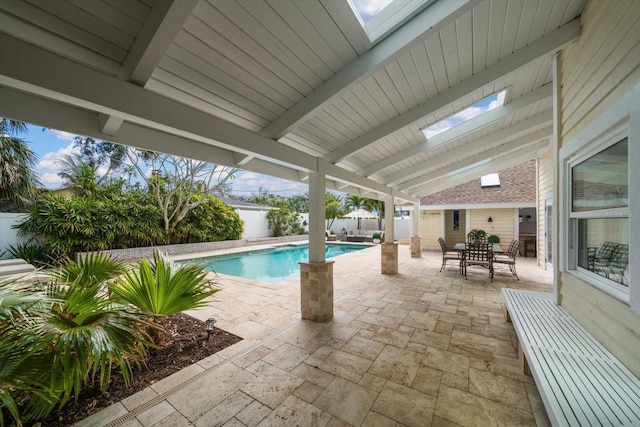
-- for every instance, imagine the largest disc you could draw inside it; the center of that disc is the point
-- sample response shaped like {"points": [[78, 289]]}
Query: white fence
{"points": [[255, 226], [8, 234], [401, 226]]}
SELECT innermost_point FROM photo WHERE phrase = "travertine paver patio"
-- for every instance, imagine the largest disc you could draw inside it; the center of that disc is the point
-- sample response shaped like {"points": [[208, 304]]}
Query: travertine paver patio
{"points": [[416, 349]]}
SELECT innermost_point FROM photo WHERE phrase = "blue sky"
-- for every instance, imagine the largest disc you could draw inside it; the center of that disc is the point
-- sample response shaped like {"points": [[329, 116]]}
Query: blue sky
{"points": [[51, 145], [367, 9]]}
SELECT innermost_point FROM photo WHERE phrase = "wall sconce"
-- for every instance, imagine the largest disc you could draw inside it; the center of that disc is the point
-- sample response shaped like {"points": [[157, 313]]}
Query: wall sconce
{"points": [[209, 326], [490, 219]]}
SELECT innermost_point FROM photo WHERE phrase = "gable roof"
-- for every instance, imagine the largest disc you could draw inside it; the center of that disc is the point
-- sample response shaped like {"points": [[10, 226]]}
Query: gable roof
{"points": [[517, 184]]}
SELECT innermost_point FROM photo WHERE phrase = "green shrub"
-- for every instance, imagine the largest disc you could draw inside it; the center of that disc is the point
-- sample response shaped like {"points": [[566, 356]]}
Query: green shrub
{"points": [[211, 221], [38, 255], [72, 333], [284, 222], [493, 239], [82, 224], [376, 236]]}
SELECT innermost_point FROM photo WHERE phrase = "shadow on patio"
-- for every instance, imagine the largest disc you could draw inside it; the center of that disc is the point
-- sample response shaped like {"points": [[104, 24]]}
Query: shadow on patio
{"points": [[420, 348]]}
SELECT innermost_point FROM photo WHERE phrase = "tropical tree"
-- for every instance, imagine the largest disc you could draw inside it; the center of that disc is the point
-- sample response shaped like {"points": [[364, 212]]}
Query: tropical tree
{"points": [[332, 208], [354, 202], [376, 206], [80, 175], [175, 181], [299, 203], [283, 221], [18, 182]]}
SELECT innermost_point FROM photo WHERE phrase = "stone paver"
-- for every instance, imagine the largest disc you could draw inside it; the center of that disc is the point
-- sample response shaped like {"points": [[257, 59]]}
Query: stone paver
{"points": [[419, 348]]}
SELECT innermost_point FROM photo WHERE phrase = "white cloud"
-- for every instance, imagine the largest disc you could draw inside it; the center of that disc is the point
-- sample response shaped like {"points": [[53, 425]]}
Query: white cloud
{"points": [[51, 180], [248, 183], [369, 8], [65, 136], [49, 165]]}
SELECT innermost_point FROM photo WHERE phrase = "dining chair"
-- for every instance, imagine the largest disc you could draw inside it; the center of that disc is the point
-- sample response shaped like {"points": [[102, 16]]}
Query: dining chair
{"points": [[478, 255], [509, 258], [447, 255]]}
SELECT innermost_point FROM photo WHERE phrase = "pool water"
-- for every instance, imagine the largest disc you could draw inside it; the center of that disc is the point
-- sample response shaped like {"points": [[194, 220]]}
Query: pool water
{"points": [[269, 265]]}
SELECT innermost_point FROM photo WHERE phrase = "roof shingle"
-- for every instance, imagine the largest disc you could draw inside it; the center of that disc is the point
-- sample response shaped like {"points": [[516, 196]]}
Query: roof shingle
{"points": [[517, 184]]}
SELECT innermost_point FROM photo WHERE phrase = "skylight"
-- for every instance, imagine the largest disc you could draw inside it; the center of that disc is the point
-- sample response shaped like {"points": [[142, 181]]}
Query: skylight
{"points": [[494, 101], [380, 17], [490, 180], [367, 9]]}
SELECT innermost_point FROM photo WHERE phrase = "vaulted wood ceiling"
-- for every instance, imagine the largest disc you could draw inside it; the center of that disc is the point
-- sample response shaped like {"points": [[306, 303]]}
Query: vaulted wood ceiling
{"points": [[284, 86]]}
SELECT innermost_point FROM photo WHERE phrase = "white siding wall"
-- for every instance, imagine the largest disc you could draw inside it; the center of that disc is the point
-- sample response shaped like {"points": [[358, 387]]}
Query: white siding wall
{"points": [[595, 72], [502, 225], [430, 230], [545, 188]]}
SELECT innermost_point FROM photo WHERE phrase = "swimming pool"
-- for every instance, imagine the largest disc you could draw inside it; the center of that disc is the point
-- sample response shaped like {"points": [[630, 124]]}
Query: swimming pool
{"points": [[269, 265]]}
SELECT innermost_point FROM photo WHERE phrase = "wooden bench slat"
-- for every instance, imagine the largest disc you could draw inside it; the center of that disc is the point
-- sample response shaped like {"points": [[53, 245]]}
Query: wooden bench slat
{"points": [[580, 381]]}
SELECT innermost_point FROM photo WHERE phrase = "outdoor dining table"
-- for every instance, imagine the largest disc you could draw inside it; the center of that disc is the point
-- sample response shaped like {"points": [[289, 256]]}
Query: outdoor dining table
{"points": [[460, 247]]}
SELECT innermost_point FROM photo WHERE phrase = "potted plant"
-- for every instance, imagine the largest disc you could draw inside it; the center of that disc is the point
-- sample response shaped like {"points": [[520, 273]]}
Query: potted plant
{"points": [[376, 237], [493, 239], [476, 235]]}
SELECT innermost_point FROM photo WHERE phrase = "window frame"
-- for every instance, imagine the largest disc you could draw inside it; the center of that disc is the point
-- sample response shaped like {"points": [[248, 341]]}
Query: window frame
{"points": [[571, 155]]}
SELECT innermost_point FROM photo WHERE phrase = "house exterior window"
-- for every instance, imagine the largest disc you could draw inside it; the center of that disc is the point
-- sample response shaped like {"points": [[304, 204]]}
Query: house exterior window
{"points": [[599, 203], [456, 220], [600, 214]]}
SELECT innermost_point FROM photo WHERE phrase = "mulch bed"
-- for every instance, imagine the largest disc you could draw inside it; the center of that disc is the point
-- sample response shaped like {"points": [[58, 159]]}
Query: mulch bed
{"points": [[186, 344]]}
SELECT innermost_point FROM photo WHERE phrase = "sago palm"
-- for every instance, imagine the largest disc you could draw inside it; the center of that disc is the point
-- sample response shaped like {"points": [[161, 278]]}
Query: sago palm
{"points": [[87, 333], [163, 287]]}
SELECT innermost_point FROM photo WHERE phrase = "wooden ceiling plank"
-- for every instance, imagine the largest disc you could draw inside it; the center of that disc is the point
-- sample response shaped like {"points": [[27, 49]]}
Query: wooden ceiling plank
{"points": [[58, 28], [232, 83], [160, 28], [252, 48], [469, 160], [402, 40], [530, 152], [511, 24], [328, 62], [415, 150], [38, 36], [327, 29], [283, 95], [464, 33], [522, 57]]}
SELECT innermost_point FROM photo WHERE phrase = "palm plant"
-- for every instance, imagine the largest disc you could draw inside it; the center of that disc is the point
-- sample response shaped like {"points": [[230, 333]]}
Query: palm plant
{"points": [[81, 335], [354, 202], [23, 369], [18, 182], [163, 287], [377, 206]]}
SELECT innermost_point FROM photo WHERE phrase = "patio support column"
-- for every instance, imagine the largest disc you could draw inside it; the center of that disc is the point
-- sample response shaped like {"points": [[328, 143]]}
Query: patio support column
{"points": [[389, 249], [416, 244], [316, 276]]}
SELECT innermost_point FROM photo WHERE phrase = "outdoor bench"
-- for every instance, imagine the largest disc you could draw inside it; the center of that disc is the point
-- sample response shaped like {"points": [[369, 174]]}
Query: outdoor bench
{"points": [[580, 381]]}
